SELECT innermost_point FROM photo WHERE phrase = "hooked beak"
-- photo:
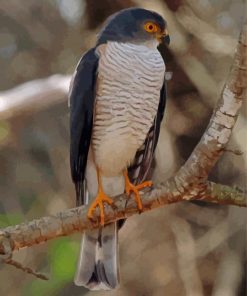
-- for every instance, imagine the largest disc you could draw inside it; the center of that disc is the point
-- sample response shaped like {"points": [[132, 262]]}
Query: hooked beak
{"points": [[163, 37]]}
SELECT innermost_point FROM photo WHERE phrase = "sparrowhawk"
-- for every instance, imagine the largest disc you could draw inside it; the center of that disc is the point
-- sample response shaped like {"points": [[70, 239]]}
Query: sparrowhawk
{"points": [[117, 101]]}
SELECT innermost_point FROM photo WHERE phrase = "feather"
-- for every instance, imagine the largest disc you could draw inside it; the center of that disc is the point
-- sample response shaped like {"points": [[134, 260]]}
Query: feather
{"points": [[98, 262], [140, 167], [81, 100]]}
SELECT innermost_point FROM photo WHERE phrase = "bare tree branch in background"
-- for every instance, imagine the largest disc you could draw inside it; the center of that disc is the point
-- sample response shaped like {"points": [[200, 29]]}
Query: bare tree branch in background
{"points": [[33, 96]]}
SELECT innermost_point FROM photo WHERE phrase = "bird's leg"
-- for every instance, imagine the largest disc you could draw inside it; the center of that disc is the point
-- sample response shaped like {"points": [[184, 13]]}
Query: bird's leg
{"points": [[129, 187], [99, 202]]}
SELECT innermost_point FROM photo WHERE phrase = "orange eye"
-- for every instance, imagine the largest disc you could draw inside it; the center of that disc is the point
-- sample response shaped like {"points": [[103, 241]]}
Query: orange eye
{"points": [[151, 27]]}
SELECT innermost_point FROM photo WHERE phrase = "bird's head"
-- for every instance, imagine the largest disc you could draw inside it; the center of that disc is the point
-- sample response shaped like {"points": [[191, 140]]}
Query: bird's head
{"points": [[134, 25]]}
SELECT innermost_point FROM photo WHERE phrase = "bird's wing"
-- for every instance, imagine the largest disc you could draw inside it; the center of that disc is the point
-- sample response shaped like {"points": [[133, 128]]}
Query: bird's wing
{"points": [[143, 159], [81, 101]]}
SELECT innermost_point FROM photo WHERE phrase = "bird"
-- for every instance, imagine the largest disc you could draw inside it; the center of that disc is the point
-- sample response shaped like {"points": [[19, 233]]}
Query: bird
{"points": [[117, 100]]}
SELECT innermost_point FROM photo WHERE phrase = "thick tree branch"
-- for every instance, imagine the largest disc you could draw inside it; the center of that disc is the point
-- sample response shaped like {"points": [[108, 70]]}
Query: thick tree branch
{"points": [[218, 132], [190, 183], [74, 220]]}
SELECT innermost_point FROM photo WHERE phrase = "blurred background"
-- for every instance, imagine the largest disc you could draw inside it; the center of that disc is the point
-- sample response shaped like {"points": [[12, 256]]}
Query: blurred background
{"points": [[183, 249]]}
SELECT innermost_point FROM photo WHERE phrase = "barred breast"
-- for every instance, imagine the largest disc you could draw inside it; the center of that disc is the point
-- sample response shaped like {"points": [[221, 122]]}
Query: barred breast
{"points": [[129, 81]]}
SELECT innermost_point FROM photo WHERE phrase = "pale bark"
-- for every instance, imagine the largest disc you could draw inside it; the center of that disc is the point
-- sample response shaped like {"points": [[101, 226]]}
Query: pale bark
{"points": [[75, 220], [34, 96]]}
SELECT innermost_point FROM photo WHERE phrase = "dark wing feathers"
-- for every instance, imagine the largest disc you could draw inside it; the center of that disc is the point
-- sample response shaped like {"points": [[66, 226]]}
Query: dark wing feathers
{"points": [[139, 169], [81, 100]]}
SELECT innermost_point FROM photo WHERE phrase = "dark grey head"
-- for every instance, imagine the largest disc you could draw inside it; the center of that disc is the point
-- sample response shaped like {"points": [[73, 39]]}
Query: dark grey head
{"points": [[134, 25]]}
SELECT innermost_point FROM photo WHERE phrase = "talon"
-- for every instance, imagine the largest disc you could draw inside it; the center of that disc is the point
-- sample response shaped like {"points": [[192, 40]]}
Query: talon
{"points": [[129, 187], [144, 185], [99, 201]]}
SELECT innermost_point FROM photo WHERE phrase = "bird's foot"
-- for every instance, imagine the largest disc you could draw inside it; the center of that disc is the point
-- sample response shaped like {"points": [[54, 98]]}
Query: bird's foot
{"points": [[99, 201], [129, 188]]}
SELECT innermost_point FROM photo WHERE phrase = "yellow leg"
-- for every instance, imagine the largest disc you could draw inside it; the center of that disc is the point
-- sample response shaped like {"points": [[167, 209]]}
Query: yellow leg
{"points": [[98, 202], [129, 187]]}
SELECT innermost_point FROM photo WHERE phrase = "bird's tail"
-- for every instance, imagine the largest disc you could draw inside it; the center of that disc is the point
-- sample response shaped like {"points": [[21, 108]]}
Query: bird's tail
{"points": [[98, 263]]}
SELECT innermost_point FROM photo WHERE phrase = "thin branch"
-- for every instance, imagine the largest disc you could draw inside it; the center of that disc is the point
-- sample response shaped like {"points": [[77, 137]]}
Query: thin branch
{"points": [[25, 269], [222, 194]]}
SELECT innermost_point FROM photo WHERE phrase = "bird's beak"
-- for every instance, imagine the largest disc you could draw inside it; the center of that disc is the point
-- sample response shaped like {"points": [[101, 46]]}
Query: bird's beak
{"points": [[163, 37]]}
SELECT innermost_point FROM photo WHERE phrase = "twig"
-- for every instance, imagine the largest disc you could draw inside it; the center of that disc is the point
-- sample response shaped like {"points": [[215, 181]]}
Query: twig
{"points": [[25, 269], [6, 257], [234, 151]]}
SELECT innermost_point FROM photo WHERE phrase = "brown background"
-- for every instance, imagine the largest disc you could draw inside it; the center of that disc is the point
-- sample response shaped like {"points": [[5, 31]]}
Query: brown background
{"points": [[184, 249]]}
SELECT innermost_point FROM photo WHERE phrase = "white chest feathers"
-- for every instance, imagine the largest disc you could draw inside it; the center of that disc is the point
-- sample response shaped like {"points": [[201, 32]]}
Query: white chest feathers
{"points": [[129, 81]]}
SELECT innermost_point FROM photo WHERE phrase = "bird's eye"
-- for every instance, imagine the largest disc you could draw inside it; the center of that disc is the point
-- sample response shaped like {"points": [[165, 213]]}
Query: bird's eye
{"points": [[151, 27]]}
